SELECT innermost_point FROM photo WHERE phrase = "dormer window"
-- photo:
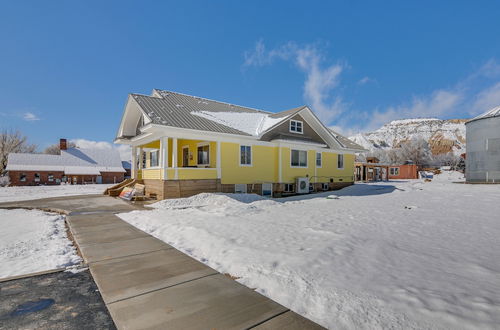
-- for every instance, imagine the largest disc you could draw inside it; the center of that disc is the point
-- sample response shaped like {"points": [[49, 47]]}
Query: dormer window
{"points": [[296, 126]]}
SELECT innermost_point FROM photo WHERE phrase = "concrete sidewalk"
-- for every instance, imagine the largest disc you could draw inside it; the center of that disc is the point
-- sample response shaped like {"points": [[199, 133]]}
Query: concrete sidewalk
{"points": [[147, 284]]}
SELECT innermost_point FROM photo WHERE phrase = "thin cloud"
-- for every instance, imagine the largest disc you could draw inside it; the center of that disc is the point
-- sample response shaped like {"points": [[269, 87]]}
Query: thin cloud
{"points": [[472, 95], [365, 80], [124, 150], [29, 116], [321, 81]]}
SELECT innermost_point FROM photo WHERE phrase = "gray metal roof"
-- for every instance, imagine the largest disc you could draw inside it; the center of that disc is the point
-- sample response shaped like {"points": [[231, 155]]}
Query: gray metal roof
{"points": [[176, 110], [347, 143], [493, 112]]}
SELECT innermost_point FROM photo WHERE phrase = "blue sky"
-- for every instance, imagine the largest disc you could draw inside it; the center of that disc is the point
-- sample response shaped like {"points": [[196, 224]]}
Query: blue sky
{"points": [[66, 67]]}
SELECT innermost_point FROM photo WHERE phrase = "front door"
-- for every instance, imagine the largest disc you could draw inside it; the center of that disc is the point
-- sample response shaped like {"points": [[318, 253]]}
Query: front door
{"points": [[185, 157]]}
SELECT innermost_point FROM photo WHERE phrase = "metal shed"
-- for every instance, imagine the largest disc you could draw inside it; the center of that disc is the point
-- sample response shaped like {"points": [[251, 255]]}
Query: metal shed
{"points": [[483, 148]]}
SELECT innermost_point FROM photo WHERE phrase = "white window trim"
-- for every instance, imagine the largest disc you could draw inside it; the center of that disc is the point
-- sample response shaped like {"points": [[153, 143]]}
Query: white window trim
{"points": [[290, 185], [148, 155], [296, 121], [203, 144], [307, 160], [343, 162], [321, 159], [251, 155]]}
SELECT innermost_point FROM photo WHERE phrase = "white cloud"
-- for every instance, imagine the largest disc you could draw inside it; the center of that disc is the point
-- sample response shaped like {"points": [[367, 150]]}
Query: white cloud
{"points": [[472, 95], [320, 81], [124, 150], [365, 80], [29, 116], [486, 99]]}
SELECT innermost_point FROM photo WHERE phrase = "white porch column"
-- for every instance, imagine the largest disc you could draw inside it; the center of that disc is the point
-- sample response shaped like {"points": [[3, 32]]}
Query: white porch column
{"points": [[174, 157], [133, 173], [164, 156], [218, 161]]}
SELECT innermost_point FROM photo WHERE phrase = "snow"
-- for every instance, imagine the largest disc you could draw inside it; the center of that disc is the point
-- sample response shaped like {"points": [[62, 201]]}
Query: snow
{"points": [[403, 254], [494, 112], [429, 129], [253, 123], [33, 241], [11, 194]]}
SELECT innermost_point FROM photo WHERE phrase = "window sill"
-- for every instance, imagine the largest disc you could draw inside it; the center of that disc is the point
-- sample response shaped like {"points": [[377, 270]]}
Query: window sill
{"points": [[246, 165], [299, 166]]}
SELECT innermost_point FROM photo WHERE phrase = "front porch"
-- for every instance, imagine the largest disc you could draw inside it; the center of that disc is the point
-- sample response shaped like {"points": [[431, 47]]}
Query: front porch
{"points": [[173, 167]]}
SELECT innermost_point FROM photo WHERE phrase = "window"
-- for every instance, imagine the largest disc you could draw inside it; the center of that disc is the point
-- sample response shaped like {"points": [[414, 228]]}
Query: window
{"points": [[340, 161], [37, 177], [318, 159], [153, 158], [50, 177], [245, 155], [267, 189], [22, 177], [325, 186], [240, 188], [289, 187], [299, 158], [296, 126], [143, 158], [394, 171], [203, 155]]}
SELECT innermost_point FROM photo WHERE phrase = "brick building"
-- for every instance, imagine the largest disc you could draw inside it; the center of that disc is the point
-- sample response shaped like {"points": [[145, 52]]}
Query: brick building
{"points": [[73, 165]]}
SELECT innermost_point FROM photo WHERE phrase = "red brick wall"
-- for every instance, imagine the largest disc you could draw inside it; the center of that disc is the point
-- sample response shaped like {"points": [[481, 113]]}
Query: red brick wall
{"points": [[107, 177], [112, 177], [30, 178]]}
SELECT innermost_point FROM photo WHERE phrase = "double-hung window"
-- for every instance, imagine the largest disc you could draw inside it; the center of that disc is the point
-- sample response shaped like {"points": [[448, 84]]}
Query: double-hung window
{"points": [[245, 155], [340, 161], [318, 159], [394, 171], [296, 126], [203, 155], [299, 158], [153, 158]]}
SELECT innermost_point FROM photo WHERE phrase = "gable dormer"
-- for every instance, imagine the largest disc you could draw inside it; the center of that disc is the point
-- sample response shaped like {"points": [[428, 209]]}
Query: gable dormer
{"points": [[294, 128]]}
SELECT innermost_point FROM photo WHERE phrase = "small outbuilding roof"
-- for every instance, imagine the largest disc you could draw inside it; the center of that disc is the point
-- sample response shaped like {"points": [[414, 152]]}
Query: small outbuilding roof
{"points": [[71, 161]]}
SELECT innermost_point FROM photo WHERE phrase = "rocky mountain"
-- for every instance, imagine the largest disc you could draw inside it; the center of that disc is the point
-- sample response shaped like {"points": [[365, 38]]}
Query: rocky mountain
{"points": [[443, 135]]}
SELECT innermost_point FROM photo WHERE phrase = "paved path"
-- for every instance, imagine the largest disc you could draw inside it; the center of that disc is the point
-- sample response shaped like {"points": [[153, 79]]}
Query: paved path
{"points": [[147, 284]]}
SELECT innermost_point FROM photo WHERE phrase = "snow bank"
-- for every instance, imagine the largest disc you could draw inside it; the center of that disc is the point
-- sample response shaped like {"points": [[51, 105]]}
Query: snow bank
{"points": [[11, 194], [33, 241], [405, 255]]}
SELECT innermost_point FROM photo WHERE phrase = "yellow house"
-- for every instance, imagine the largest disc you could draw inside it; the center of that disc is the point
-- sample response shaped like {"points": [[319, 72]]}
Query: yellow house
{"points": [[183, 145]]}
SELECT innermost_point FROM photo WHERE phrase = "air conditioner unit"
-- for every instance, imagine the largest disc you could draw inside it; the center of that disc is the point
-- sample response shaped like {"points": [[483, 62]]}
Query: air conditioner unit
{"points": [[302, 185]]}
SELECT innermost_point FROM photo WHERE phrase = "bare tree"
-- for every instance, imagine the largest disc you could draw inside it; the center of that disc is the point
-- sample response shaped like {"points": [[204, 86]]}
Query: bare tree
{"points": [[416, 150], [55, 148], [13, 141]]}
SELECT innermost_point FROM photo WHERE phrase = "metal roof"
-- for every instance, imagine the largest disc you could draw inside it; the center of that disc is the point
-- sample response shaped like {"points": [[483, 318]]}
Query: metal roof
{"points": [[74, 159], [494, 112], [186, 111], [347, 143]]}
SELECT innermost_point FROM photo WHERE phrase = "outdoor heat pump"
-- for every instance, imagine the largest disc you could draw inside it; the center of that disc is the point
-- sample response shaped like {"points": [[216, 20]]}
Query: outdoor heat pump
{"points": [[302, 185]]}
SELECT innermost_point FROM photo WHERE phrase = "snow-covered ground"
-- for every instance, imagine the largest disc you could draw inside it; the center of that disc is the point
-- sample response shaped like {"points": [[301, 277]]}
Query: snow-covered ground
{"points": [[11, 194], [403, 255], [33, 241]]}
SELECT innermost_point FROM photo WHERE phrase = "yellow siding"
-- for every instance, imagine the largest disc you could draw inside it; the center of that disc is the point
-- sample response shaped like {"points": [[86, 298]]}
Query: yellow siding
{"points": [[151, 174], [264, 164], [192, 145], [329, 168], [196, 173], [289, 173]]}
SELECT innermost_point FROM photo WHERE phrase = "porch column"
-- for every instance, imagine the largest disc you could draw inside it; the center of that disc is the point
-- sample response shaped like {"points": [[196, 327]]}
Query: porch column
{"points": [[140, 158], [174, 158], [164, 157], [218, 161], [134, 163]]}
